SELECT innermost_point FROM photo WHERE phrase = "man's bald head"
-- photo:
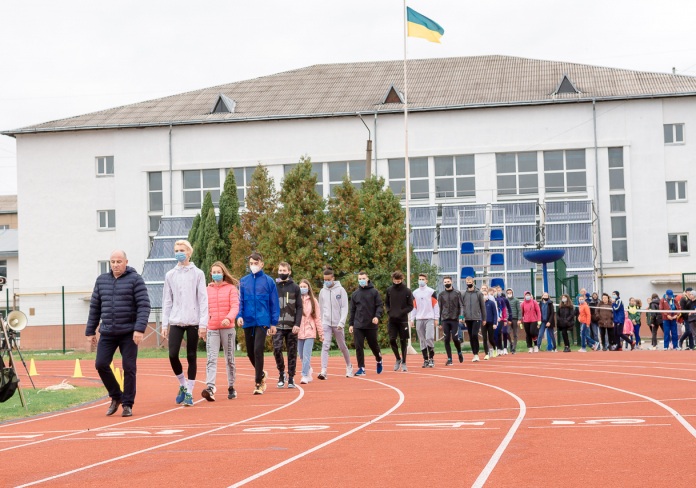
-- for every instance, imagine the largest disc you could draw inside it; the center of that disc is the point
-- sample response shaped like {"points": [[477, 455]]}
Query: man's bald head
{"points": [[118, 262]]}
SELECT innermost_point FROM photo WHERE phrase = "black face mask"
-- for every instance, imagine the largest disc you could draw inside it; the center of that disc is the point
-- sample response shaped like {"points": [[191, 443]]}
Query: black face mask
{"points": [[396, 284], [448, 286], [469, 285], [545, 299], [283, 276]]}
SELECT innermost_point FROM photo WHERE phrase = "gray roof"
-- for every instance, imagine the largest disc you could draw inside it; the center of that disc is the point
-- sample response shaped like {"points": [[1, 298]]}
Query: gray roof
{"points": [[325, 90], [9, 244]]}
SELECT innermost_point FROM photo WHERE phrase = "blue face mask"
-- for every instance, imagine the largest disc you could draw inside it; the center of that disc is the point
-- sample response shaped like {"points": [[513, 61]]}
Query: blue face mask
{"points": [[304, 291], [421, 283], [362, 282], [328, 284], [613, 297], [217, 277], [180, 256], [527, 297]]}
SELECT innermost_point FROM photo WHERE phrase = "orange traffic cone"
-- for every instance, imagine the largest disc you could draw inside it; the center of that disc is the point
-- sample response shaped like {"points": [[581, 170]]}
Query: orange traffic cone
{"points": [[32, 368]]}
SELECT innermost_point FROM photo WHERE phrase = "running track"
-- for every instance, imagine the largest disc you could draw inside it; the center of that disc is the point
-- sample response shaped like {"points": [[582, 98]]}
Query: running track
{"points": [[595, 419]]}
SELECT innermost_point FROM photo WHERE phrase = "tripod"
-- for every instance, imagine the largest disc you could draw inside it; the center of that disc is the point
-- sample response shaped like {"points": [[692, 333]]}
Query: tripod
{"points": [[8, 342]]}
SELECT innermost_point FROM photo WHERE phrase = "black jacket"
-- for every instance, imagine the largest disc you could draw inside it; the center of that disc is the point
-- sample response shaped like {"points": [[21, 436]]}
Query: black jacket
{"points": [[290, 303], [399, 301], [566, 317], [365, 304], [552, 314], [121, 304], [655, 319], [451, 304]]}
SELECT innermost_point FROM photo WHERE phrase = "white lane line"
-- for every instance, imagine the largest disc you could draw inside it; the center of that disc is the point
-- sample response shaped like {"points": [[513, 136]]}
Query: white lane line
{"points": [[488, 469], [330, 441], [160, 446], [690, 429]]}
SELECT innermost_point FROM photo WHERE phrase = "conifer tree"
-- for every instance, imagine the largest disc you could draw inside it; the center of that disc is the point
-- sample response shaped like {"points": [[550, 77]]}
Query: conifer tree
{"points": [[229, 213], [261, 205], [214, 247], [345, 226], [200, 244]]}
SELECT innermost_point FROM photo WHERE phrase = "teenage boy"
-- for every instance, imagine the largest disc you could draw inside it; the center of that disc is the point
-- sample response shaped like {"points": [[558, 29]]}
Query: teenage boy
{"points": [[515, 316], [451, 312], [366, 308], [425, 315], [333, 303], [258, 315], [474, 314], [399, 302], [290, 303]]}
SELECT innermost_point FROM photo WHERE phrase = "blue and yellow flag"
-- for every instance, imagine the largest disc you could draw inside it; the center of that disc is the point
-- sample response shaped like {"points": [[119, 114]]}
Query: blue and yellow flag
{"points": [[421, 26]]}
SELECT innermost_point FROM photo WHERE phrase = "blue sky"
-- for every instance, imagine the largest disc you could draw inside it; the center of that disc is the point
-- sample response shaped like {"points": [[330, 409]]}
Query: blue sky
{"points": [[75, 56]]}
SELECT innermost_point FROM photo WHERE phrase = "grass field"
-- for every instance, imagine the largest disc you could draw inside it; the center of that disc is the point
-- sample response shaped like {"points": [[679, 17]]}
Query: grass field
{"points": [[41, 401]]}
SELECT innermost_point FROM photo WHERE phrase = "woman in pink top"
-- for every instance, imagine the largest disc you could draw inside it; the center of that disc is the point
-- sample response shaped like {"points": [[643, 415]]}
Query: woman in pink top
{"points": [[223, 307], [531, 319], [310, 325]]}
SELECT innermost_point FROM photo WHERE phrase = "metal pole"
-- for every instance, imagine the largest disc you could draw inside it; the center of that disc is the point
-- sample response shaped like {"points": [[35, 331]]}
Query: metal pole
{"points": [[62, 293], [599, 222]]}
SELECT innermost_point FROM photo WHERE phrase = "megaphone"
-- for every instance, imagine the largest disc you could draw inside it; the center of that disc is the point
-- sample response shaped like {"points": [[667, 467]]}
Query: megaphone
{"points": [[17, 321]]}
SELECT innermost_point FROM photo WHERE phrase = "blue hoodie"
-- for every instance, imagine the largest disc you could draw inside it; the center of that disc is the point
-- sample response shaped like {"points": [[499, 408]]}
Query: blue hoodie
{"points": [[491, 311], [258, 301], [618, 311]]}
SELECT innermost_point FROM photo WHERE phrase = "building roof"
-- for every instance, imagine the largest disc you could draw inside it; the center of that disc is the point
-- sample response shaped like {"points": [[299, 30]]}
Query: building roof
{"points": [[326, 90], [9, 244]]}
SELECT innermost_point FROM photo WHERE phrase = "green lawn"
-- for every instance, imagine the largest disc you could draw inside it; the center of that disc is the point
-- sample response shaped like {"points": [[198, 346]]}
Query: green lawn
{"points": [[39, 401]]}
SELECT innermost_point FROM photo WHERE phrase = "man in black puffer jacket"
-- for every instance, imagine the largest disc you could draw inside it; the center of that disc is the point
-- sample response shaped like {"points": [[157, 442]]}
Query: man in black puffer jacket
{"points": [[120, 301]]}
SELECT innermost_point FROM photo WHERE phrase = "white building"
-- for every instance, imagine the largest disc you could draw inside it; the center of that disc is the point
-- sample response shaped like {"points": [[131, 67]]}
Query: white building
{"points": [[599, 159]]}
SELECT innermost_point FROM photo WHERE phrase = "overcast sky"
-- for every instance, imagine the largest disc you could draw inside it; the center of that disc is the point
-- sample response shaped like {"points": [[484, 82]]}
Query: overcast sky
{"points": [[71, 57]]}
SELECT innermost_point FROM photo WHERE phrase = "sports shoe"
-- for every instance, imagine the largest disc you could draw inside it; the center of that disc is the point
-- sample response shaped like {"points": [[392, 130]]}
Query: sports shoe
{"points": [[495, 353], [231, 393], [209, 394], [397, 365], [181, 395], [449, 362], [582, 349], [461, 357], [536, 348], [404, 369], [379, 367], [282, 380], [530, 350], [322, 375], [264, 375], [360, 372], [596, 346], [566, 349], [476, 359], [431, 363], [349, 371], [304, 380], [258, 390], [188, 400], [486, 357], [505, 351], [291, 382], [426, 363]]}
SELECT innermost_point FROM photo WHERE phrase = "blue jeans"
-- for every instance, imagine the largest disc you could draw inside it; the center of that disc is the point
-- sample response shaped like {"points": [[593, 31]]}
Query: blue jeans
{"points": [[585, 337], [636, 331], [550, 337], [670, 329], [304, 350]]}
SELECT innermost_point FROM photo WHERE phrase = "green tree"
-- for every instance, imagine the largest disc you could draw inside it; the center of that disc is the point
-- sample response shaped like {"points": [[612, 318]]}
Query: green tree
{"points": [[200, 243], [194, 229], [299, 224], [215, 248], [345, 226], [261, 205], [229, 213]]}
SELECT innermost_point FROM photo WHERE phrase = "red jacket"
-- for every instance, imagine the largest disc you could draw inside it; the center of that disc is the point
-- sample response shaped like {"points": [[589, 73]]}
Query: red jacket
{"points": [[530, 311], [309, 326], [664, 305], [223, 303]]}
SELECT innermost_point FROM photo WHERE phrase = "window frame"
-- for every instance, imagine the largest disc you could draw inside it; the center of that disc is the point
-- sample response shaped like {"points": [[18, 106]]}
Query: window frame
{"points": [[100, 266], [517, 174], [110, 218], [105, 160], [679, 242], [677, 198], [412, 179], [247, 174], [201, 189], [455, 177], [565, 171], [673, 133]]}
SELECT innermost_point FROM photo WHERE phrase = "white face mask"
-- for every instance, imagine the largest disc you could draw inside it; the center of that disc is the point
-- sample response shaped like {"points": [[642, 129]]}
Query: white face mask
{"points": [[254, 268]]}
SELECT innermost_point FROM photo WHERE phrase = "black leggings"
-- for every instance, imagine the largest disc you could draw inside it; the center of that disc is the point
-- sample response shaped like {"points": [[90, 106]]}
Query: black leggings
{"points": [[529, 337], [255, 339], [398, 329], [607, 336], [450, 329], [487, 336], [653, 330], [566, 340], [359, 336], [176, 336], [473, 326]]}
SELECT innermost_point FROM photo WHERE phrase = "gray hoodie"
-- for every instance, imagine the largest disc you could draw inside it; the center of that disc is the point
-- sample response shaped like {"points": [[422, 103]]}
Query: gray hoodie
{"points": [[474, 305], [334, 303]]}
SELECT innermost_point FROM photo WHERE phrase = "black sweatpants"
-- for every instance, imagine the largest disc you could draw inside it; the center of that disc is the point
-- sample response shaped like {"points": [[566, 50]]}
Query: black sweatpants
{"points": [[255, 339], [129, 354], [359, 336], [566, 340], [487, 336], [473, 327], [530, 336], [290, 339], [607, 336], [450, 329], [398, 328], [176, 336]]}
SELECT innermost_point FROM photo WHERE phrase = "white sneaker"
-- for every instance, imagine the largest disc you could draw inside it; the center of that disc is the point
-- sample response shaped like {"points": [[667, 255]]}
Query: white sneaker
{"points": [[304, 380], [582, 350], [486, 357], [349, 371], [505, 352], [476, 359], [536, 348], [530, 350]]}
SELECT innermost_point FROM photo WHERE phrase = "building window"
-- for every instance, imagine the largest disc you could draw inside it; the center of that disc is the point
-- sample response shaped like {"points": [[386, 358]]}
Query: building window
{"points": [[104, 267], [3, 268], [619, 240], [106, 219], [674, 133], [337, 170], [676, 191], [105, 165], [418, 177], [616, 168], [154, 222], [318, 171], [617, 203], [454, 176], [564, 171], [517, 173], [4, 226], [678, 243], [155, 191], [199, 182], [242, 176]]}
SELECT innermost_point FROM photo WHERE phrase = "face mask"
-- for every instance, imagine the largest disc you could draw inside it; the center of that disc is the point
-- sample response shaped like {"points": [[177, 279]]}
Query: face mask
{"points": [[328, 284], [448, 286], [546, 299], [283, 276], [581, 302], [564, 300], [421, 283], [180, 256], [491, 297], [527, 297], [613, 297], [509, 295], [217, 277], [362, 282], [397, 284], [254, 269], [469, 285], [304, 291]]}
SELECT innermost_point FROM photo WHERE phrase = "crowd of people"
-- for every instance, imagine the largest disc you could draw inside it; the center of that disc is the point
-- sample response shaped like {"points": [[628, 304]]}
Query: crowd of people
{"points": [[194, 309]]}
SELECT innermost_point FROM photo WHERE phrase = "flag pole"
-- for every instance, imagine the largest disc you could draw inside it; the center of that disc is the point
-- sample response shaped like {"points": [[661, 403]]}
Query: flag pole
{"points": [[407, 168]]}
